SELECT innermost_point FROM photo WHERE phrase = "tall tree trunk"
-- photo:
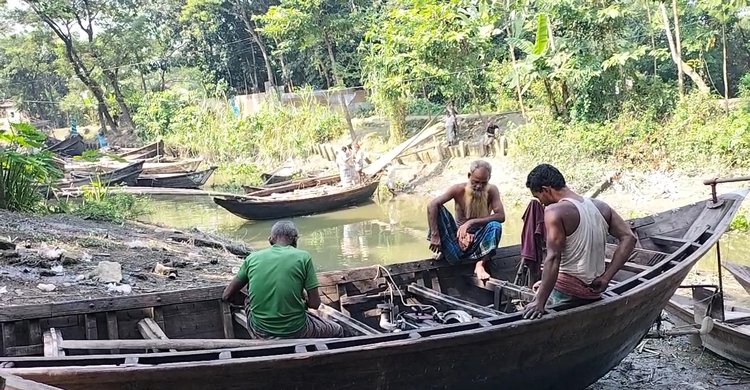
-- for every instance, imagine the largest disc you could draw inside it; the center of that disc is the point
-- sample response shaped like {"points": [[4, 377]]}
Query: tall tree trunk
{"points": [[694, 76], [120, 98], [331, 58], [724, 67], [250, 27], [143, 81], [512, 52], [678, 47], [653, 40], [254, 75]]}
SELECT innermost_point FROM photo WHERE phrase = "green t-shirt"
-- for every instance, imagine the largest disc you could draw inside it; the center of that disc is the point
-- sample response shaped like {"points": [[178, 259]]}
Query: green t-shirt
{"points": [[276, 277]]}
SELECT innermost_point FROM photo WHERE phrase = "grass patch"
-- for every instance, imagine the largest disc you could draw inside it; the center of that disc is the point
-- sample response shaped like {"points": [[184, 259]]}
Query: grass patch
{"points": [[101, 205]]}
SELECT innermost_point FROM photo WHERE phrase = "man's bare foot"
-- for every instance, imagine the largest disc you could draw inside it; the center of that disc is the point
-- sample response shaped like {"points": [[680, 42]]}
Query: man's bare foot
{"points": [[480, 271]]}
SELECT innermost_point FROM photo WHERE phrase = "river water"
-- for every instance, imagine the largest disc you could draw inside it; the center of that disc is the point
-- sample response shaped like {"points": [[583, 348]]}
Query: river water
{"points": [[385, 232]]}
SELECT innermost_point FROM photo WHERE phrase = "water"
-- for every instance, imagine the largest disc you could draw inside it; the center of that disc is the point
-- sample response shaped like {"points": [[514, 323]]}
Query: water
{"points": [[375, 233], [378, 233]]}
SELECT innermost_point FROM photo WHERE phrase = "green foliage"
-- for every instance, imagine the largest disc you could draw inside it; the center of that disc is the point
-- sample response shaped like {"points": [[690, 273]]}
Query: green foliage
{"points": [[101, 205], [22, 169], [232, 176], [209, 127], [421, 106], [96, 154], [740, 223]]}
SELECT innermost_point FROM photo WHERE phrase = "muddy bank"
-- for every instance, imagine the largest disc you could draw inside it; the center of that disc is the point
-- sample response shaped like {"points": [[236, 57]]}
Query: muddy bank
{"points": [[64, 251]]}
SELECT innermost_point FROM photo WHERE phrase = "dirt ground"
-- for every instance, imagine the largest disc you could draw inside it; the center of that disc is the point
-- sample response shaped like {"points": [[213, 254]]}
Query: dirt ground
{"points": [[65, 250]]}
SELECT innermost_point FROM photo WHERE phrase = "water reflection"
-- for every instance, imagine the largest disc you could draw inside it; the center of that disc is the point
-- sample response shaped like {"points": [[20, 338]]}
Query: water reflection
{"points": [[374, 233]]}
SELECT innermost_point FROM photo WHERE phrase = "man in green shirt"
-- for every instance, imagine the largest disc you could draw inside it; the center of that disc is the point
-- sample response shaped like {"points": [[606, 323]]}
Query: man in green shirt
{"points": [[276, 278]]}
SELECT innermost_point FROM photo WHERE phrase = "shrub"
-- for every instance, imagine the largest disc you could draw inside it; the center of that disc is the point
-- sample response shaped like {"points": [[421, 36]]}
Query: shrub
{"points": [[101, 205]]}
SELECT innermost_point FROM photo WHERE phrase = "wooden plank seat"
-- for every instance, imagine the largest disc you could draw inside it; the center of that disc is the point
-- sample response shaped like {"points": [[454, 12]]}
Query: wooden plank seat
{"points": [[452, 302], [351, 326]]}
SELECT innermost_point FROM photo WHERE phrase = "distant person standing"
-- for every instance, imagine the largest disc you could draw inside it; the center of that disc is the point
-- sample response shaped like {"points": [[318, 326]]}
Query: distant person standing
{"points": [[489, 137], [359, 161], [345, 164], [451, 124]]}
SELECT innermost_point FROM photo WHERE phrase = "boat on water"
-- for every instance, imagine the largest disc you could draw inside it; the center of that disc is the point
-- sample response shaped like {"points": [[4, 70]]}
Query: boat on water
{"points": [[312, 200], [740, 272], [176, 180], [291, 185], [71, 146], [727, 330], [412, 325], [127, 175]]}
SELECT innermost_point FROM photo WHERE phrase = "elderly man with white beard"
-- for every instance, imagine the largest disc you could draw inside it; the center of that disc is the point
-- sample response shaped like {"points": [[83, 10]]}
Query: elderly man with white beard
{"points": [[475, 232]]}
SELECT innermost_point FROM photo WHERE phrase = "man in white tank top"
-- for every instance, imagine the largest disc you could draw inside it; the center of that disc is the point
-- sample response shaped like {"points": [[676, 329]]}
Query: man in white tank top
{"points": [[574, 269]]}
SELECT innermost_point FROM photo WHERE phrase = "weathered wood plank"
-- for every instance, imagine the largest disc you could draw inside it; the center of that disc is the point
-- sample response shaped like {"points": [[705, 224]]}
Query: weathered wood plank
{"points": [[226, 319], [452, 302], [178, 344], [112, 328], [351, 325], [510, 290], [53, 343], [9, 331], [149, 329], [35, 332], [92, 332], [12, 382], [241, 319], [25, 350]]}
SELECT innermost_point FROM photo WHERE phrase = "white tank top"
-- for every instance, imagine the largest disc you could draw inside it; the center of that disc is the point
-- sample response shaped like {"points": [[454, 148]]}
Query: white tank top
{"points": [[583, 255]]}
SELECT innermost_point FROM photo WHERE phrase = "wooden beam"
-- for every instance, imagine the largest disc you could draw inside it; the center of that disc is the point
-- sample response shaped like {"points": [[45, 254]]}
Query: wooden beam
{"points": [[12, 382], [149, 329], [351, 325], [671, 241], [53, 343], [226, 319], [178, 344], [454, 303], [92, 332], [510, 290], [113, 333], [9, 331], [241, 319]]}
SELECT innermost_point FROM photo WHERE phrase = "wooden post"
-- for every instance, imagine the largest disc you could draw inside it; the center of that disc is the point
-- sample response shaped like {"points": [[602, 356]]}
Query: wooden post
{"points": [[92, 333], [9, 330], [462, 149], [112, 329], [53, 343], [226, 319]]}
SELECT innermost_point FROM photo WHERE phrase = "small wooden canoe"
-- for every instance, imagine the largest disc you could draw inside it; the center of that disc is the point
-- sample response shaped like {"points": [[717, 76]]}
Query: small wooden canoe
{"points": [[292, 185], [71, 146], [729, 338], [466, 333], [127, 175], [176, 180], [266, 207], [149, 151], [741, 273]]}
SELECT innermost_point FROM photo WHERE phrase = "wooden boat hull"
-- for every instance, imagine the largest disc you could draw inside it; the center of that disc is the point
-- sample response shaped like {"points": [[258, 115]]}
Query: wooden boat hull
{"points": [[127, 176], [71, 146], [566, 349], [741, 273], [160, 168], [261, 209], [149, 151], [731, 342], [176, 180]]}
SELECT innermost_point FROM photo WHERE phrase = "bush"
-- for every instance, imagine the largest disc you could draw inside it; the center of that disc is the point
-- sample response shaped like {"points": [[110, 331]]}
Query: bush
{"points": [[422, 106], [101, 205], [22, 169], [210, 127]]}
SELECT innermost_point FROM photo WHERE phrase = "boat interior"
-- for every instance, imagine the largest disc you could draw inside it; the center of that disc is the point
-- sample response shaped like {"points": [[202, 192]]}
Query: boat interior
{"points": [[375, 304]]}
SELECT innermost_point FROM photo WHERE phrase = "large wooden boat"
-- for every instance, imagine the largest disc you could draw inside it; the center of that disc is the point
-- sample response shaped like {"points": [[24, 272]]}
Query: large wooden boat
{"points": [[71, 146], [313, 202], [728, 337], [149, 151], [291, 185], [454, 331], [127, 175], [176, 180], [741, 273]]}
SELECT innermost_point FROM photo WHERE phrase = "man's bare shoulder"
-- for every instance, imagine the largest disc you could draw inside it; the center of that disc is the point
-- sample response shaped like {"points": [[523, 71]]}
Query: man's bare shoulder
{"points": [[603, 207]]}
